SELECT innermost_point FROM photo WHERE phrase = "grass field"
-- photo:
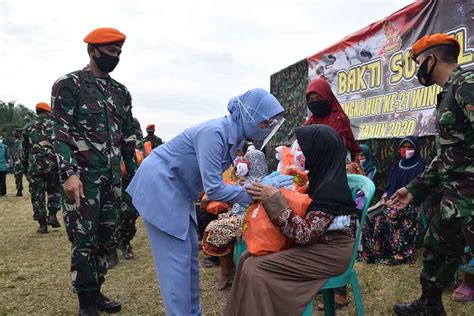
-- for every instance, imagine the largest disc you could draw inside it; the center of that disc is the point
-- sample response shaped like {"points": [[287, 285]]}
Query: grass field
{"points": [[34, 277]]}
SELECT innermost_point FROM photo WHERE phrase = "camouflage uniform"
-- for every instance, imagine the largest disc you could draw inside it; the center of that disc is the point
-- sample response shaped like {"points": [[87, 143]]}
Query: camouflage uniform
{"points": [[451, 175], [18, 169], [128, 215], [155, 140], [93, 129], [39, 163]]}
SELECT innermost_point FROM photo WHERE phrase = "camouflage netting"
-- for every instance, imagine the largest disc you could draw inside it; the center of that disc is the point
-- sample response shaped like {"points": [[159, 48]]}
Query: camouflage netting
{"points": [[289, 85]]}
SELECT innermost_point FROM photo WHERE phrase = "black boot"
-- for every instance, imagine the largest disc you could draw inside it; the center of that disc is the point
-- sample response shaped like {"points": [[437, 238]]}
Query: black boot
{"points": [[53, 220], [127, 251], [105, 304], [19, 192], [87, 304], [429, 304], [112, 258], [43, 228]]}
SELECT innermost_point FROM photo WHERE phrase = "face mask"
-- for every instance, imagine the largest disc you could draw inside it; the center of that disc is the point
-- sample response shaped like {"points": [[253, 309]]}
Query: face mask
{"points": [[253, 131], [1, 141], [106, 62], [407, 153], [242, 169], [319, 108], [362, 161], [425, 76]]}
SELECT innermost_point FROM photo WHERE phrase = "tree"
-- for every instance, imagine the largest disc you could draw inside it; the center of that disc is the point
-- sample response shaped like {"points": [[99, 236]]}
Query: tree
{"points": [[13, 116]]}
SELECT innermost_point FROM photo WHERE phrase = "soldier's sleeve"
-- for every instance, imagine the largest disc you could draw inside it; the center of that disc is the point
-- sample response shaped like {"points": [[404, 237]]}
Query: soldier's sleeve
{"points": [[425, 183], [129, 139], [25, 147], [465, 96], [63, 102]]}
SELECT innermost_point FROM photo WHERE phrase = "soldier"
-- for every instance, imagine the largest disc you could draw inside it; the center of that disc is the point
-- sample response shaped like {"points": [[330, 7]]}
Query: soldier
{"points": [[93, 130], [17, 162], [450, 174], [151, 137], [128, 215], [39, 163], [3, 167]]}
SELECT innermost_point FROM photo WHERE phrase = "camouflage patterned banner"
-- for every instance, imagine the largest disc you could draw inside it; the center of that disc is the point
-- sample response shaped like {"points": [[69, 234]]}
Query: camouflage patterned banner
{"points": [[374, 78]]}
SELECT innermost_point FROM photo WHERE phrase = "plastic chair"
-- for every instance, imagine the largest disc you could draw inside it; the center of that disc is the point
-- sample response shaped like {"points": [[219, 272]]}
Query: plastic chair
{"points": [[356, 183], [239, 247]]}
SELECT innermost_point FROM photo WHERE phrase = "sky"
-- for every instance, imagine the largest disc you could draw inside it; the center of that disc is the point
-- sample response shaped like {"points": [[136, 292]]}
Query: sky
{"points": [[182, 60]]}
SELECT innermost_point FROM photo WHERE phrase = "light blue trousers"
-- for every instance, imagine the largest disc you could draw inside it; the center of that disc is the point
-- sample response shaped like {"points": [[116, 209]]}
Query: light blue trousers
{"points": [[177, 269]]}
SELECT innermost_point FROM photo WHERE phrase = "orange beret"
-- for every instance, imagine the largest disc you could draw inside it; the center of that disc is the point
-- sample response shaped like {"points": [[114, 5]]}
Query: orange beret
{"points": [[150, 127], [430, 41], [104, 35], [43, 106]]}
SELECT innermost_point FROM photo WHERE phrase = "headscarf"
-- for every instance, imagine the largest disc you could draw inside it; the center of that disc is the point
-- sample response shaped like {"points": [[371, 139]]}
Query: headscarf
{"points": [[368, 165], [258, 169], [337, 119], [255, 106], [325, 156], [405, 170]]}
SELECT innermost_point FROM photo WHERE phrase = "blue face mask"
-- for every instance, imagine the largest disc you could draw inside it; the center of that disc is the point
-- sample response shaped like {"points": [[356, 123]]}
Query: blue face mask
{"points": [[251, 129]]}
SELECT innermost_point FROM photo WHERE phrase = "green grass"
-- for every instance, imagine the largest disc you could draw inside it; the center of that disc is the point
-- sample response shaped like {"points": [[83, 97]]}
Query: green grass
{"points": [[34, 274]]}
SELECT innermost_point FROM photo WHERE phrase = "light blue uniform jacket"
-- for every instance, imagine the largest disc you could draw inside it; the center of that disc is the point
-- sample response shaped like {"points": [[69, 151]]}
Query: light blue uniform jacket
{"points": [[173, 176]]}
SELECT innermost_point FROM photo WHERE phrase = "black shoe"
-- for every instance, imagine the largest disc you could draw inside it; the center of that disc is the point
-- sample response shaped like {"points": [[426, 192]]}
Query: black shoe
{"points": [[53, 221], [43, 229], [105, 304], [87, 304], [19, 193], [417, 307], [127, 252], [112, 259]]}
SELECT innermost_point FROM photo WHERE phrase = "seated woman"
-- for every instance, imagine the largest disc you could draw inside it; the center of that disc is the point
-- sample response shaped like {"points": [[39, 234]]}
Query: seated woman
{"points": [[220, 234], [365, 160], [390, 237], [283, 283], [325, 109]]}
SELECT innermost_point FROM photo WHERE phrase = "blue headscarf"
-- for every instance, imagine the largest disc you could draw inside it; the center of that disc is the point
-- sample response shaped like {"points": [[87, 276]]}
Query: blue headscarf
{"points": [[252, 108], [405, 170], [368, 165]]}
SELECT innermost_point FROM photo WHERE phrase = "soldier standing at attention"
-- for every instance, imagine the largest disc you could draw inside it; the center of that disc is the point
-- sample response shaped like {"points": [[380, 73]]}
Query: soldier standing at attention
{"points": [[3, 167], [151, 137], [451, 173], [17, 162], [39, 163], [93, 130]]}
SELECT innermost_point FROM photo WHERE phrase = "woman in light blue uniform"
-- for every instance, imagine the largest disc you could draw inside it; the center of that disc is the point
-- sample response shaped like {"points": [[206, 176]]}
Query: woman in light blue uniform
{"points": [[173, 176]]}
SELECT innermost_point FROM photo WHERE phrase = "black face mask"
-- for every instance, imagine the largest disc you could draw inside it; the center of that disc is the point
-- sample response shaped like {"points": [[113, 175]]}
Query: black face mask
{"points": [[319, 108], [106, 62], [425, 76]]}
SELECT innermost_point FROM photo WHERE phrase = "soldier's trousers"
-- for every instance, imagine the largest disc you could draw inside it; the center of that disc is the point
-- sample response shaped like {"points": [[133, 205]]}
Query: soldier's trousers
{"points": [[91, 229], [19, 181], [41, 186], [126, 220], [444, 245]]}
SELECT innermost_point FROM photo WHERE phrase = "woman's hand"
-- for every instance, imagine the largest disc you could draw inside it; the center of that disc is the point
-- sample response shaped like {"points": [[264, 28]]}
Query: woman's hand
{"points": [[261, 192]]}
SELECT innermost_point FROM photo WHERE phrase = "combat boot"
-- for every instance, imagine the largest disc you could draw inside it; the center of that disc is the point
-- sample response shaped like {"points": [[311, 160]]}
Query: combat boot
{"points": [[53, 220], [43, 228], [112, 258], [429, 303], [87, 304], [105, 304], [127, 252]]}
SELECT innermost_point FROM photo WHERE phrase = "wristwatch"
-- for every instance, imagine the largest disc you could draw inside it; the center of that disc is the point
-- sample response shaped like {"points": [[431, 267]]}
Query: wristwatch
{"points": [[67, 173]]}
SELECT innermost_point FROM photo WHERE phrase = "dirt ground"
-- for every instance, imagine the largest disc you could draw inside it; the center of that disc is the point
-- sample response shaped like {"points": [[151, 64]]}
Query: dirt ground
{"points": [[34, 277]]}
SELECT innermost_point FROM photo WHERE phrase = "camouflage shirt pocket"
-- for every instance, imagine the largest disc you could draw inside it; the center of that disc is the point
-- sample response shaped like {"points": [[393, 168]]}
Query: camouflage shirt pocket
{"points": [[91, 117]]}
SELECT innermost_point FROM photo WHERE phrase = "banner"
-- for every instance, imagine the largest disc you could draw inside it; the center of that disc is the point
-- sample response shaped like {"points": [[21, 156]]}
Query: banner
{"points": [[374, 79]]}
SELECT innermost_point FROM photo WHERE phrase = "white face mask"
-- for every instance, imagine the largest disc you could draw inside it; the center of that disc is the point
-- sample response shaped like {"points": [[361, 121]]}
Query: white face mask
{"points": [[1, 140], [242, 169], [362, 161], [410, 153]]}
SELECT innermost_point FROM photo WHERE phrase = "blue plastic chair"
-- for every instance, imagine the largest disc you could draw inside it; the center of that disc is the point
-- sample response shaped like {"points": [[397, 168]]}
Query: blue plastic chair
{"points": [[356, 183], [239, 247]]}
